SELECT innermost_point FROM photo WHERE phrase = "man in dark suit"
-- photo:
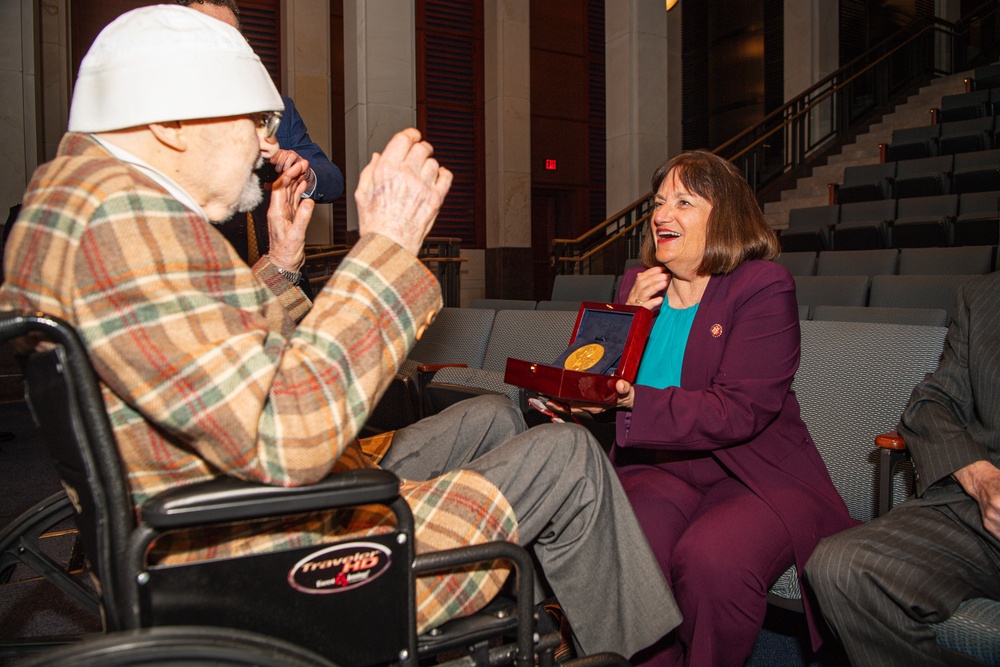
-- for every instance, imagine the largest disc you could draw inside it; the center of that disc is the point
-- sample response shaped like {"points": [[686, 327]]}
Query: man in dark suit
{"points": [[882, 585], [248, 233]]}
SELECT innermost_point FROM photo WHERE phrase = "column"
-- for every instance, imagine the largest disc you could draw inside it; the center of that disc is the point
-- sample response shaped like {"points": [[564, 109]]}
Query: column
{"points": [[643, 89], [949, 10], [305, 26], [379, 82], [812, 50], [507, 90]]}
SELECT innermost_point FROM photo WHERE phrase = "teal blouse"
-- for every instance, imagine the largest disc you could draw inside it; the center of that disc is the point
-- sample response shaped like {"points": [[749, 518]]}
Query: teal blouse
{"points": [[661, 362]]}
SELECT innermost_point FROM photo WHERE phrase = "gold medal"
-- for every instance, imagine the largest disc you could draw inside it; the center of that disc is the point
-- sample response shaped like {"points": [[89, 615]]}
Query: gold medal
{"points": [[584, 357]]}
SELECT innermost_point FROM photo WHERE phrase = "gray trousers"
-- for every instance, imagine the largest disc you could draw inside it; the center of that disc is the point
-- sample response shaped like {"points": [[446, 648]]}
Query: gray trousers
{"points": [[883, 585], [570, 508]]}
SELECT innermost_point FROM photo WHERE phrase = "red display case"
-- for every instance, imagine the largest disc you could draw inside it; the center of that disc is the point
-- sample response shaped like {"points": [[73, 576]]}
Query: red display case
{"points": [[607, 345]]}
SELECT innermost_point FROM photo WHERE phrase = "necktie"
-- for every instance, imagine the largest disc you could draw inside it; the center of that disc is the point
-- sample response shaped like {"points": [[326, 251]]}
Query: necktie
{"points": [[253, 253]]}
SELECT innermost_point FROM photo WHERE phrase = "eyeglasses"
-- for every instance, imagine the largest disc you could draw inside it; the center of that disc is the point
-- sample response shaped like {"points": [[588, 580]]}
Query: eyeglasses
{"points": [[268, 121]]}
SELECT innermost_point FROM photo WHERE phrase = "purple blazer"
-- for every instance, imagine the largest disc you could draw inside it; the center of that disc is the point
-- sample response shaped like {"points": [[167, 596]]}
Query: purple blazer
{"points": [[735, 401]]}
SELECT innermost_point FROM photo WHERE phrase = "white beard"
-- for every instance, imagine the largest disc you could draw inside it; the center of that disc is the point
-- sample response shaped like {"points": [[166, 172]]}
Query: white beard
{"points": [[251, 197]]}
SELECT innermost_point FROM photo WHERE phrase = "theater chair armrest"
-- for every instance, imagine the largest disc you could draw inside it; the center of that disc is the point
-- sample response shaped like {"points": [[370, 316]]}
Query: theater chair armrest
{"points": [[437, 396], [434, 368], [225, 499], [892, 452], [890, 440], [425, 375]]}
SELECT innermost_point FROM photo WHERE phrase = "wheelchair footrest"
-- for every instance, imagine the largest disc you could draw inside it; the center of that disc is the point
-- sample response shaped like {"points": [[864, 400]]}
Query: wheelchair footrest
{"points": [[496, 619]]}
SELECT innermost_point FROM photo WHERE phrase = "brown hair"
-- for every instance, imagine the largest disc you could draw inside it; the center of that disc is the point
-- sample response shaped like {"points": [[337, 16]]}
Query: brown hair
{"points": [[737, 231], [228, 4]]}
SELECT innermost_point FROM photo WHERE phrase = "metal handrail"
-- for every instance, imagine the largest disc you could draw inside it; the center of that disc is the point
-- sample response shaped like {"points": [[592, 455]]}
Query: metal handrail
{"points": [[604, 244]]}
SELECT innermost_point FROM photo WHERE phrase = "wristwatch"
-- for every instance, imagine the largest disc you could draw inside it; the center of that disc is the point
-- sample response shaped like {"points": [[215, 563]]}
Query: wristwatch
{"points": [[292, 276]]}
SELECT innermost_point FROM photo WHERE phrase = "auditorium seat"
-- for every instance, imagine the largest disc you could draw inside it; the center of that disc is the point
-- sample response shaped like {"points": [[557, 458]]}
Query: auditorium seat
{"points": [[978, 221], [993, 106], [583, 288], [934, 317], [866, 182], [832, 290], [963, 106], [924, 221], [809, 228], [985, 77], [798, 263], [963, 136], [910, 143], [863, 225], [559, 305], [857, 262], [852, 383], [976, 172], [533, 335], [917, 291], [967, 260], [457, 336], [924, 177], [503, 304]]}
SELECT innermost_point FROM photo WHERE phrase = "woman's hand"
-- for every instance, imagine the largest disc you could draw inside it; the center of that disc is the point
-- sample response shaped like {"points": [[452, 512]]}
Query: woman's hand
{"points": [[649, 287], [626, 394], [548, 406]]}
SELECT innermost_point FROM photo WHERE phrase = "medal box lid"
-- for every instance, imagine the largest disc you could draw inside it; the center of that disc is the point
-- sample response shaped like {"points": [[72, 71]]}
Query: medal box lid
{"points": [[607, 343]]}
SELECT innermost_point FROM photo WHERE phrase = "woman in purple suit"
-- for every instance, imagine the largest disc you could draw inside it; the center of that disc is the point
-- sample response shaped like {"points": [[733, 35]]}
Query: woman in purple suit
{"points": [[721, 470]]}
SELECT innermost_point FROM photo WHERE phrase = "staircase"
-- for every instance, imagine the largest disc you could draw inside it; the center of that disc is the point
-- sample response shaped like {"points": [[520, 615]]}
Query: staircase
{"points": [[813, 190]]}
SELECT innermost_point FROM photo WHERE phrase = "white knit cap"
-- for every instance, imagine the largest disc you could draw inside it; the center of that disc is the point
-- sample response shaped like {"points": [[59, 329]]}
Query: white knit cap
{"points": [[168, 62]]}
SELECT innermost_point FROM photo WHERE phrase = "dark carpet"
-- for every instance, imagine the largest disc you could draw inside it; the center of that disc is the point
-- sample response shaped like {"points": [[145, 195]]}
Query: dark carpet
{"points": [[31, 609]]}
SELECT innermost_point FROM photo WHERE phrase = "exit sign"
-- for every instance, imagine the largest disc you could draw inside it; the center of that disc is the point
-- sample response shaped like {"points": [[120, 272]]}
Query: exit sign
{"points": [[550, 165]]}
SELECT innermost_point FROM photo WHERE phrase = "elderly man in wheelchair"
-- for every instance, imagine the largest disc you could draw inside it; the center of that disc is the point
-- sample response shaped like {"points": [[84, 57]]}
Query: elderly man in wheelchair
{"points": [[232, 403]]}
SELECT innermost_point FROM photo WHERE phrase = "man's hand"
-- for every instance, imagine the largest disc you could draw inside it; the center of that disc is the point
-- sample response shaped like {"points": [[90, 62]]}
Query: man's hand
{"points": [[401, 191], [288, 217], [284, 159], [981, 480]]}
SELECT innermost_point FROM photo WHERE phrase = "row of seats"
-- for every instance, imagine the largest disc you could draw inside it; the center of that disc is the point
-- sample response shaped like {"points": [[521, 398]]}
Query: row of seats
{"points": [[949, 138], [882, 291], [931, 317], [971, 104], [942, 220], [921, 177], [968, 260], [465, 351], [984, 77], [528, 304], [469, 347]]}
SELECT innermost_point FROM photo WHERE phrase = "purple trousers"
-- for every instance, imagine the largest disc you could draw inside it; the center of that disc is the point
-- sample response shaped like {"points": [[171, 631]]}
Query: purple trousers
{"points": [[720, 547]]}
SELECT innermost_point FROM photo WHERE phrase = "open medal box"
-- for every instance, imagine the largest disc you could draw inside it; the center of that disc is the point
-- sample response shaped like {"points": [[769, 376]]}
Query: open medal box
{"points": [[607, 345]]}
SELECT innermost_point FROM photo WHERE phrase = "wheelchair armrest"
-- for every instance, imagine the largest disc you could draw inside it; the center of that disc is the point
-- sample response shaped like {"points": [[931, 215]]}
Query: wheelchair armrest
{"points": [[225, 499], [892, 452]]}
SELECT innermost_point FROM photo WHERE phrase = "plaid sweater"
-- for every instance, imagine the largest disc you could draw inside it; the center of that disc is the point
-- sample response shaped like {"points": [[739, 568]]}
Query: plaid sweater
{"points": [[208, 367]]}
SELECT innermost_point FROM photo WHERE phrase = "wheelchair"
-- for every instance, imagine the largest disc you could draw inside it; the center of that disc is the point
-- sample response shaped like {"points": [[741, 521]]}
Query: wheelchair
{"points": [[292, 598]]}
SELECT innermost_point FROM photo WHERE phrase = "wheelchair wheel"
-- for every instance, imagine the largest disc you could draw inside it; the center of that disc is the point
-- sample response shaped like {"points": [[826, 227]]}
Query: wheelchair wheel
{"points": [[181, 645]]}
